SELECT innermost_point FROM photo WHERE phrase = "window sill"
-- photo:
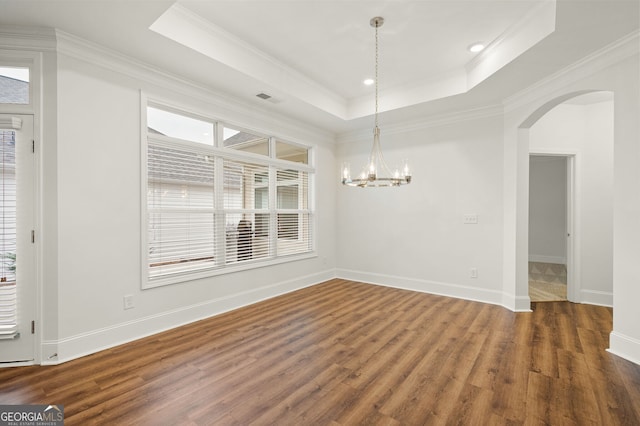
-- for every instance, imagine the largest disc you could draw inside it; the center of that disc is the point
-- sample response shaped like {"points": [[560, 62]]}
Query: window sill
{"points": [[228, 269]]}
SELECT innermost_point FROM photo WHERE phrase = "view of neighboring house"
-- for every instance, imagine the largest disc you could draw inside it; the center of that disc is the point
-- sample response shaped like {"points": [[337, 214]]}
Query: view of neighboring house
{"points": [[13, 91]]}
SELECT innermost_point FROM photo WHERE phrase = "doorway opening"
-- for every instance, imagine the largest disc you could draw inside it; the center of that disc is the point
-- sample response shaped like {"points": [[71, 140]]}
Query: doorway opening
{"points": [[550, 192]]}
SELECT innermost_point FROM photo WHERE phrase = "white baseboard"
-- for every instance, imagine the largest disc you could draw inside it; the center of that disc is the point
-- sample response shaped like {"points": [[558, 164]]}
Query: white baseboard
{"points": [[625, 347], [425, 286], [516, 303], [87, 343], [547, 259], [593, 297]]}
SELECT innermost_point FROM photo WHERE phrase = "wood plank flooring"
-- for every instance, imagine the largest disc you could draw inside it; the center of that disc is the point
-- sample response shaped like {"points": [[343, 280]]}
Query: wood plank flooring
{"points": [[347, 353]]}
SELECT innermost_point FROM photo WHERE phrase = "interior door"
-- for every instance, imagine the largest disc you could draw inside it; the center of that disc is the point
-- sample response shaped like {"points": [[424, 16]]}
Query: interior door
{"points": [[17, 248]]}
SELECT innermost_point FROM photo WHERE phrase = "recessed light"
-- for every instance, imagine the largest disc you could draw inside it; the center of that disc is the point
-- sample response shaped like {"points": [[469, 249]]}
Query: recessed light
{"points": [[369, 81], [476, 47]]}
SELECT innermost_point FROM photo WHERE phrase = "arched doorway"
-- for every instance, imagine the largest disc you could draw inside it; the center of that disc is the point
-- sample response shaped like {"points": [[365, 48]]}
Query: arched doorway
{"points": [[571, 126]]}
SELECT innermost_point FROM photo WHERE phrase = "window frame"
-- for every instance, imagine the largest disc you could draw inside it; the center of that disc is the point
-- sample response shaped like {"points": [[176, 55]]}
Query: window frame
{"points": [[220, 154]]}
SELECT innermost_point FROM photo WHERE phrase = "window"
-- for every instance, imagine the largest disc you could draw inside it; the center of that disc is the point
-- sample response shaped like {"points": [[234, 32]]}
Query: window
{"points": [[214, 206], [245, 141], [179, 126], [246, 211], [290, 152], [180, 208], [8, 287], [8, 206], [14, 85], [293, 215]]}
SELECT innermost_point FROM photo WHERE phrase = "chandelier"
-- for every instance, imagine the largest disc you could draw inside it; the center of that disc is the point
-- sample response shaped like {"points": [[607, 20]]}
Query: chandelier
{"points": [[376, 173]]}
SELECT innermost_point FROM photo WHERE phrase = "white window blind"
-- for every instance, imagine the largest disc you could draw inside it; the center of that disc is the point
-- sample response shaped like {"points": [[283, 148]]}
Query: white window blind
{"points": [[8, 289], [221, 203], [180, 206], [246, 211], [293, 214]]}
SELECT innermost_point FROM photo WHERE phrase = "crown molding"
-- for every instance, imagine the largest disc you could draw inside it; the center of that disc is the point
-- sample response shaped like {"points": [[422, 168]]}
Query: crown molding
{"points": [[609, 55], [27, 38], [95, 54], [615, 52], [425, 123], [521, 36], [534, 17], [189, 29]]}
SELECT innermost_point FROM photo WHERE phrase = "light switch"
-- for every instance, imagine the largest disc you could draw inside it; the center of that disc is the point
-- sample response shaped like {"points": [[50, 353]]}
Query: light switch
{"points": [[470, 219]]}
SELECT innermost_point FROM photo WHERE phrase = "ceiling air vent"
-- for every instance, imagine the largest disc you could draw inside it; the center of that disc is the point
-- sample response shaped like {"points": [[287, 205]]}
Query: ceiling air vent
{"points": [[269, 98]]}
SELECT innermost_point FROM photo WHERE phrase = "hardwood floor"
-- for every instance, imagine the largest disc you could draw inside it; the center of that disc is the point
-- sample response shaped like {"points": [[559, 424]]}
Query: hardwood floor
{"points": [[346, 353]]}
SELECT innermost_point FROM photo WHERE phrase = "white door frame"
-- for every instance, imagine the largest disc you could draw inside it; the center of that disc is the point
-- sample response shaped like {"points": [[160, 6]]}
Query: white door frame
{"points": [[23, 349], [23, 56]]}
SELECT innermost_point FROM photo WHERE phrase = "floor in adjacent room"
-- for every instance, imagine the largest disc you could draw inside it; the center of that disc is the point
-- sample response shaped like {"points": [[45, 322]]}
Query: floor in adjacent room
{"points": [[547, 282]]}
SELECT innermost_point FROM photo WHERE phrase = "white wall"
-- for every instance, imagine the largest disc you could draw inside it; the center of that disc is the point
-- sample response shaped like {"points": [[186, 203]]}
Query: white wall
{"points": [[96, 163], [410, 237], [547, 209], [414, 236], [625, 337], [586, 131]]}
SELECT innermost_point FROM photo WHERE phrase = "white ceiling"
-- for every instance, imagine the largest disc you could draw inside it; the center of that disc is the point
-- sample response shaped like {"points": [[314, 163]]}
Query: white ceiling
{"points": [[312, 55]]}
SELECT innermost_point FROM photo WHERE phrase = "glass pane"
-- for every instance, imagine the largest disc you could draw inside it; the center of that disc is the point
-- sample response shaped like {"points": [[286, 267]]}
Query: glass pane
{"points": [[179, 126], [180, 202], [8, 288], [292, 189], [294, 233], [180, 241], [288, 197], [288, 224], [289, 152], [262, 225], [245, 141], [261, 198], [14, 85], [246, 236], [8, 206], [246, 186]]}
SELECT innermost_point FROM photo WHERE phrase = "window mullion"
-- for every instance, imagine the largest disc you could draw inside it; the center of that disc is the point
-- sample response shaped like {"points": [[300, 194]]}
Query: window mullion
{"points": [[273, 214]]}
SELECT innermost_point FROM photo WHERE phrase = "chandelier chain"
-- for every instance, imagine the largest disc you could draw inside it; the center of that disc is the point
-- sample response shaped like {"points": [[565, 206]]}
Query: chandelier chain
{"points": [[376, 77]]}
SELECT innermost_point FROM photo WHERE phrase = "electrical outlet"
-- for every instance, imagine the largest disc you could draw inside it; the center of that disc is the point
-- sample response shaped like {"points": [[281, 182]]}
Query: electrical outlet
{"points": [[128, 302], [473, 272]]}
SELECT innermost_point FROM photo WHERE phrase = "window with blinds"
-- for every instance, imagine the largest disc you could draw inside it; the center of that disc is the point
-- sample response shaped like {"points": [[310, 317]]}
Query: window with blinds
{"points": [[8, 290], [293, 215], [221, 205], [180, 208], [246, 211]]}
